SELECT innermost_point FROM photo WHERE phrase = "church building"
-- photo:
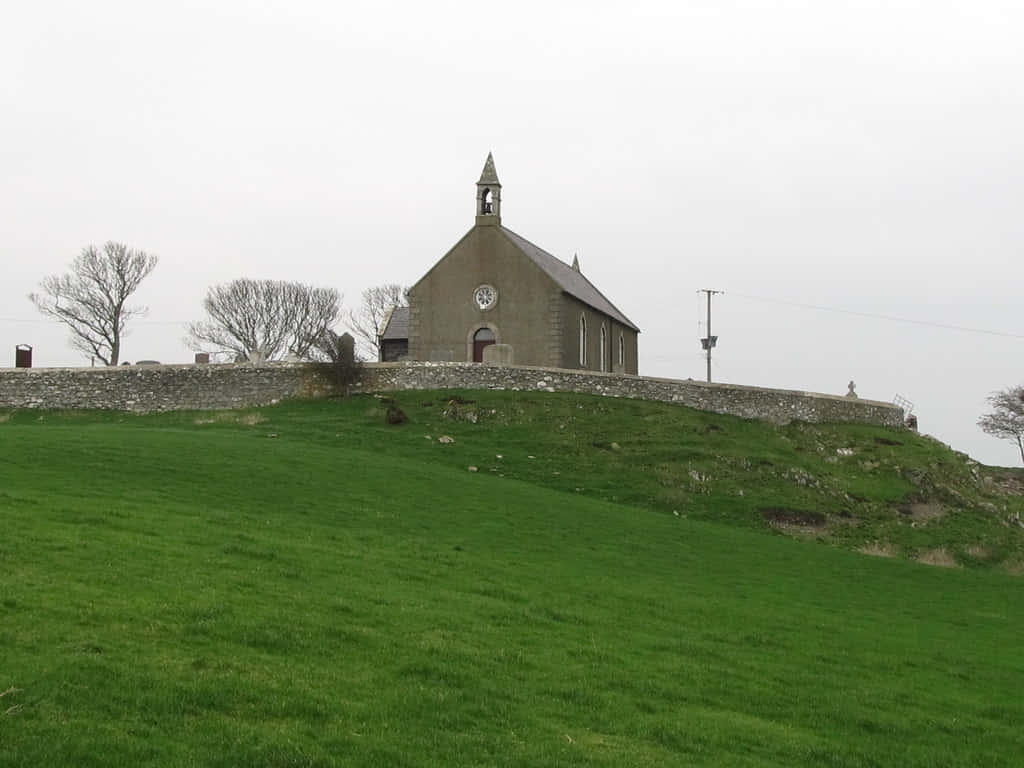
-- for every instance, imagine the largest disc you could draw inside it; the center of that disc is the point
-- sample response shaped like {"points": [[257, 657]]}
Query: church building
{"points": [[497, 297]]}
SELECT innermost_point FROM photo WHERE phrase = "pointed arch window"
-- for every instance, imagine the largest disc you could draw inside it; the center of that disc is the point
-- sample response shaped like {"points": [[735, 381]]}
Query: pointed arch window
{"points": [[583, 340], [622, 351], [604, 348]]}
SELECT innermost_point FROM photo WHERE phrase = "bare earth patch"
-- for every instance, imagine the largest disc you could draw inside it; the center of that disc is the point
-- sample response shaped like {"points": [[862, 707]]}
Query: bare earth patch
{"points": [[4, 417], [922, 512], [252, 419], [1010, 483], [800, 531], [938, 557], [795, 522], [799, 517], [978, 551], [1014, 567], [879, 549]]}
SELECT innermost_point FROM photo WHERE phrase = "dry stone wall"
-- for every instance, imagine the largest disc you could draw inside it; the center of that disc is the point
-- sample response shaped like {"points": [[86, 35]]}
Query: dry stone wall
{"points": [[776, 405], [158, 387], [183, 387]]}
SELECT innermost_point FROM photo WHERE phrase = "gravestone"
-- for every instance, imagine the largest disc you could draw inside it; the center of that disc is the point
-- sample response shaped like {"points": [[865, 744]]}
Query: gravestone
{"points": [[347, 347], [498, 354]]}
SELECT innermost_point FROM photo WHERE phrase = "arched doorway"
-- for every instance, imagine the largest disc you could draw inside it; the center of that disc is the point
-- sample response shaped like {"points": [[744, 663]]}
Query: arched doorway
{"points": [[484, 337]]}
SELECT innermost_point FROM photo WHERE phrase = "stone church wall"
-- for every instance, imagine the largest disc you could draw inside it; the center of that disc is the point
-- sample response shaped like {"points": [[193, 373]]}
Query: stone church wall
{"points": [[200, 387], [443, 316], [572, 309]]}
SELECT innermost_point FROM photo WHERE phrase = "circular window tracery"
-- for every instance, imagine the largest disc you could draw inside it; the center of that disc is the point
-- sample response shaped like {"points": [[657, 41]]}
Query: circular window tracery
{"points": [[486, 296]]}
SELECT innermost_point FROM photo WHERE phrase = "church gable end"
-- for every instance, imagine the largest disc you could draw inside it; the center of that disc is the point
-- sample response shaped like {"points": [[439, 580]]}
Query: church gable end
{"points": [[483, 282], [494, 286]]}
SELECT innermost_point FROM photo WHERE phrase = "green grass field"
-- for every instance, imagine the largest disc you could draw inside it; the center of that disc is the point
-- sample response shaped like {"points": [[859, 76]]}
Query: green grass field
{"points": [[306, 585]]}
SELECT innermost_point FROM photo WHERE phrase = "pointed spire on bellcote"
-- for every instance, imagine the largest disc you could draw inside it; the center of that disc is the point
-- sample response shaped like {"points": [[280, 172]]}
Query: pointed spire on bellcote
{"points": [[488, 195], [488, 175], [576, 262]]}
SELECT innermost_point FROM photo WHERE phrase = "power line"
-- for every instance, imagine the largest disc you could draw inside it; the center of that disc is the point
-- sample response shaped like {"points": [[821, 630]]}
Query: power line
{"points": [[876, 316], [784, 302]]}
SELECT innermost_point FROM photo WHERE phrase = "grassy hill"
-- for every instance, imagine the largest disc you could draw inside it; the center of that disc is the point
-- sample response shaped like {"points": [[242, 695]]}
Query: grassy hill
{"points": [[618, 583]]}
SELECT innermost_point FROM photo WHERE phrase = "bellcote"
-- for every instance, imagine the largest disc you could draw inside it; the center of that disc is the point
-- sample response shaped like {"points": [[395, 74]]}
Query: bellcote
{"points": [[488, 195]]}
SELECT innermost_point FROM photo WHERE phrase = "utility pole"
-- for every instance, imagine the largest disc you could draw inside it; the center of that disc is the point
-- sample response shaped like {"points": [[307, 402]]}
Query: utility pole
{"points": [[709, 341]]}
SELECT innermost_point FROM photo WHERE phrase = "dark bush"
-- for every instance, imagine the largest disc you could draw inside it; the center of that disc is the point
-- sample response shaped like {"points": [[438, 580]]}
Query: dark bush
{"points": [[337, 362]]}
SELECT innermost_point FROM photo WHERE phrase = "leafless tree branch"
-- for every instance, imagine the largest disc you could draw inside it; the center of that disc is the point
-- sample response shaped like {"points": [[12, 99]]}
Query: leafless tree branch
{"points": [[91, 299], [260, 320], [1006, 421], [367, 322]]}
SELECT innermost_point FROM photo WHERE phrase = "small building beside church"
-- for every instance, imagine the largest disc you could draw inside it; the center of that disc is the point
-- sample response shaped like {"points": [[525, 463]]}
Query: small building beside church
{"points": [[393, 342], [495, 287]]}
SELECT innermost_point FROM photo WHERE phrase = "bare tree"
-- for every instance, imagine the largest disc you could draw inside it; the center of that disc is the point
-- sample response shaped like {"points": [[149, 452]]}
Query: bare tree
{"points": [[1006, 421], [90, 299], [368, 321], [260, 320]]}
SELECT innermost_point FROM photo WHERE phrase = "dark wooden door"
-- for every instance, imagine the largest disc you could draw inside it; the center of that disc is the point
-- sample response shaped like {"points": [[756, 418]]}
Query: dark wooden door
{"points": [[478, 349], [482, 338]]}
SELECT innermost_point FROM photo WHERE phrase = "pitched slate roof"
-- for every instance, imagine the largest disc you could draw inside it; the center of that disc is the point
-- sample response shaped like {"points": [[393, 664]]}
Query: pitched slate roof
{"points": [[397, 326], [567, 278]]}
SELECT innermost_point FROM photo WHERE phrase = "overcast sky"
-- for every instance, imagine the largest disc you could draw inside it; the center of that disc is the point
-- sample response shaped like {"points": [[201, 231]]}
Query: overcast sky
{"points": [[858, 156]]}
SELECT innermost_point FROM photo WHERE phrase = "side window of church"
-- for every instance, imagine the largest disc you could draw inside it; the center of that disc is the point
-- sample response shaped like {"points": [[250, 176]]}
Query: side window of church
{"points": [[583, 340]]}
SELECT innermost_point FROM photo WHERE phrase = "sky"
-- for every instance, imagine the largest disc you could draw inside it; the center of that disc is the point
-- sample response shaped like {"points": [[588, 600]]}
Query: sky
{"points": [[836, 168]]}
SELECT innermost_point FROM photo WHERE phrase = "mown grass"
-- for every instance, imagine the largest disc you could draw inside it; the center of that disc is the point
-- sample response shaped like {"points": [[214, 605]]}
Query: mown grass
{"points": [[319, 588]]}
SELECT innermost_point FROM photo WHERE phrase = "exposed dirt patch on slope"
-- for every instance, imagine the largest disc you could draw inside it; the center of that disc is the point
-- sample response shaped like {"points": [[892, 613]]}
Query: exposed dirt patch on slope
{"points": [[798, 517], [795, 522], [938, 557], [923, 511], [880, 549]]}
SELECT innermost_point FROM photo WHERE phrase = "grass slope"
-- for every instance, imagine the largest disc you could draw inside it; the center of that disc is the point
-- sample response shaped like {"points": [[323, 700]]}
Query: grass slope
{"points": [[183, 593], [884, 491]]}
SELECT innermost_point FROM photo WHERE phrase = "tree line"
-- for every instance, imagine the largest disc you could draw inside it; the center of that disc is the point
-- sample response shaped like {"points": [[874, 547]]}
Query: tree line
{"points": [[246, 320]]}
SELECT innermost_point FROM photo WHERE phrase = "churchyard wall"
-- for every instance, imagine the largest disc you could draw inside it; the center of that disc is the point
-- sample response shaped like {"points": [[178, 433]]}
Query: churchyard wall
{"points": [[158, 387], [201, 387]]}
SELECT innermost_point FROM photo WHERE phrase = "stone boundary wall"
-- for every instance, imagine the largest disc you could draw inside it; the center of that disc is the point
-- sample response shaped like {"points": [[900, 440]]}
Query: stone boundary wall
{"points": [[780, 406], [200, 387], [158, 387]]}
